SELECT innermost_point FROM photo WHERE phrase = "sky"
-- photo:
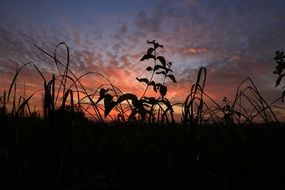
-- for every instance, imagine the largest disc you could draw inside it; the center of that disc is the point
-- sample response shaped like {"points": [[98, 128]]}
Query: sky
{"points": [[232, 39]]}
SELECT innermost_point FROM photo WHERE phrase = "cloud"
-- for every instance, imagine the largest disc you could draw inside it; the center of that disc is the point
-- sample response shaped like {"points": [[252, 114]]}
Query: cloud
{"points": [[233, 39]]}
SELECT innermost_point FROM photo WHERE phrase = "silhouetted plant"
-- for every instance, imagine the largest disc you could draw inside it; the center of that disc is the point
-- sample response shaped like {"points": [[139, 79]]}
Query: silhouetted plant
{"points": [[248, 105], [52, 98], [229, 112], [193, 106], [279, 59], [160, 67], [144, 108]]}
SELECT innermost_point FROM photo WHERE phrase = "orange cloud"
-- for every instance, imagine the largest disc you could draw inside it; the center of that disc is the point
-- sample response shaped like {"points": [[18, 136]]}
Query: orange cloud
{"points": [[191, 51]]}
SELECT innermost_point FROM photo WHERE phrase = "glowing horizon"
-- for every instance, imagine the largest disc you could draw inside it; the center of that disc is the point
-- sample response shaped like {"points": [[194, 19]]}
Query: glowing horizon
{"points": [[232, 39]]}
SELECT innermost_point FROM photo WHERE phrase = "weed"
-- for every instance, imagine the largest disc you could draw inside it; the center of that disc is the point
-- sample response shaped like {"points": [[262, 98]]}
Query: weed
{"points": [[279, 59], [144, 108]]}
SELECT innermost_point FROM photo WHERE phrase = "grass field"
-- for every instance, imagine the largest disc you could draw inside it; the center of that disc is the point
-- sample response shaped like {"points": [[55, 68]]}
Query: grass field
{"points": [[141, 146]]}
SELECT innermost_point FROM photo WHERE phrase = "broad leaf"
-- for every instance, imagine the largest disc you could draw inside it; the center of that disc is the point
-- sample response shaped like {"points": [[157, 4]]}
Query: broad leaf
{"points": [[156, 67], [157, 86], [156, 45], [127, 97], [145, 80], [147, 56], [149, 68], [151, 42], [162, 60], [109, 104], [163, 90], [161, 72], [103, 92], [172, 78], [152, 83], [150, 50], [150, 100], [279, 79]]}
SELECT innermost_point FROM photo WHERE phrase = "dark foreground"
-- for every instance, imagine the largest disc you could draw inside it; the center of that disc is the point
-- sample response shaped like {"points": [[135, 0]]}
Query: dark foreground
{"points": [[36, 154]]}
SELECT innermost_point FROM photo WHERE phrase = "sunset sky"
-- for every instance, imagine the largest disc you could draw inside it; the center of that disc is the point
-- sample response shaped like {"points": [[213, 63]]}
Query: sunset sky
{"points": [[232, 39]]}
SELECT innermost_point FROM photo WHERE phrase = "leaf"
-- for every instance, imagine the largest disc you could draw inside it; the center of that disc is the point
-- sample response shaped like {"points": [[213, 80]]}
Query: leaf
{"points": [[152, 83], [156, 87], [279, 79], [167, 103], [145, 80], [161, 72], [25, 102], [172, 78], [147, 56], [162, 60], [150, 50], [102, 95], [279, 68], [151, 42], [127, 97], [102, 92], [149, 68], [163, 90], [156, 45], [156, 67], [109, 104], [150, 100]]}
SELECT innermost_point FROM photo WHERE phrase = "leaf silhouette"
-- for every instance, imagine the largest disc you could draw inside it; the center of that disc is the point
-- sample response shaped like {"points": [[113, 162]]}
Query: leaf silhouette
{"points": [[151, 42], [168, 70], [156, 45], [156, 67], [152, 83], [279, 68], [161, 72], [172, 78], [102, 92], [150, 50], [102, 95], [279, 79], [157, 85], [147, 56], [128, 97], [163, 90], [145, 80], [149, 68], [149, 100], [109, 104], [167, 103], [162, 60]]}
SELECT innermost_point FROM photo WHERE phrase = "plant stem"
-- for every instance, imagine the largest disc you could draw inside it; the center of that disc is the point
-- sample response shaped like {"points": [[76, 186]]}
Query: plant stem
{"points": [[152, 75]]}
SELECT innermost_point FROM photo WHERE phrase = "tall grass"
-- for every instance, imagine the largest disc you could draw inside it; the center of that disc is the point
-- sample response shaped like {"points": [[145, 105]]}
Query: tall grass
{"points": [[64, 149], [64, 91], [247, 108]]}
